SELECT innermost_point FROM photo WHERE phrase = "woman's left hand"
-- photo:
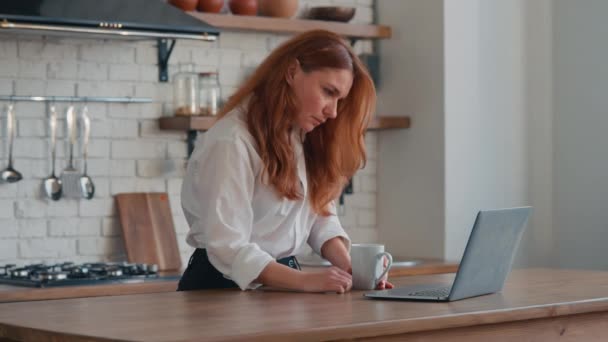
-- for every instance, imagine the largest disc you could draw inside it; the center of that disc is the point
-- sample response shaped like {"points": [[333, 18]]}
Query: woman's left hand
{"points": [[384, 284]]}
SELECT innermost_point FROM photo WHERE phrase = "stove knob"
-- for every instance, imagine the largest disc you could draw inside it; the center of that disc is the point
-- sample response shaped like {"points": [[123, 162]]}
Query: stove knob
{"points": [[59, 276], [115, 273], [20, 273]]}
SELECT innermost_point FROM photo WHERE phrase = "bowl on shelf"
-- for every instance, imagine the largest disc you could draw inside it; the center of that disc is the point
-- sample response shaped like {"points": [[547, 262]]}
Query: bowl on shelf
{"points": [[332, 13]]}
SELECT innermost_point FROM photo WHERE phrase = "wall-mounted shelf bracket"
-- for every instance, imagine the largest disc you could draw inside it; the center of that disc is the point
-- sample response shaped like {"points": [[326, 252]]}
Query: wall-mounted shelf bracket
{"points": [[164, 52], [348, 190], [191, 140]]}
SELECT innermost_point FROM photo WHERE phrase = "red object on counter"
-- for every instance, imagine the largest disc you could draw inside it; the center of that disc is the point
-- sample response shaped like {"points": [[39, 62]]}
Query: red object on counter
{"points": [[186, 5], [210, 6], [243, 7]]}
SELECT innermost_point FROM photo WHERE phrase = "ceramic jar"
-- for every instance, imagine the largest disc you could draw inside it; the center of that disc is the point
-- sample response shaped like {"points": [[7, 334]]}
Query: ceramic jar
{"points": [[278, 8], [210, 6], [186, 5], [243, 7]]}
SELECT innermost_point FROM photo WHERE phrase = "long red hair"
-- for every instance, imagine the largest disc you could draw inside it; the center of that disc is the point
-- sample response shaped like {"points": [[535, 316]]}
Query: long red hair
{"points": [[333, 151]]}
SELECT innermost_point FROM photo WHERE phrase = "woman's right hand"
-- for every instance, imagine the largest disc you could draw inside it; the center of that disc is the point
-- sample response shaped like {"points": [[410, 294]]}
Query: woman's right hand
{"points": [[331, 279]]}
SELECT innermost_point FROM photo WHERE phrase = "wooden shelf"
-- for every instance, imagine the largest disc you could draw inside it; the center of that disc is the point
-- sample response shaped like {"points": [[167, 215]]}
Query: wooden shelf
{"points": [[203, 123], [281, 25], [389, 122]]}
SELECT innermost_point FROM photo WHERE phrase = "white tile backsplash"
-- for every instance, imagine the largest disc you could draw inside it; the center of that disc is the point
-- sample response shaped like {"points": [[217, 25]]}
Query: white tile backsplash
{"points": [[128, 152]]}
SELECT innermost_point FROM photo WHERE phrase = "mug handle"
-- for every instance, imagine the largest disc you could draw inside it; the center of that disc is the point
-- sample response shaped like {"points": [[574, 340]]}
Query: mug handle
{"points": [[388, 267]]}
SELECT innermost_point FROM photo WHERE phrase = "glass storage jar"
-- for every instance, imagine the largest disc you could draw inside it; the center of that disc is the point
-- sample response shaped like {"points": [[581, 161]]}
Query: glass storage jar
{"points": [[209, 89], [185, 91]]}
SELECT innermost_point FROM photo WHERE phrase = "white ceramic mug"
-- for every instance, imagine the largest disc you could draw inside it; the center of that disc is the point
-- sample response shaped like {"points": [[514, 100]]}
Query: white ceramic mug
{"points": [[368, 265]]}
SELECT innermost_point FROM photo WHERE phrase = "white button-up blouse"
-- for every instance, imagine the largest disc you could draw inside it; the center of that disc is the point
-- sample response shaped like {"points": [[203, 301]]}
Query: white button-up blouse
{"points": [[243, 223]]}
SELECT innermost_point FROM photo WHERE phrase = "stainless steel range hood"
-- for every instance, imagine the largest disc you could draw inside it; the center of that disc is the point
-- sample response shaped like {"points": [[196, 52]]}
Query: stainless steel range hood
{"points": [[124, 19], [103, 18]]}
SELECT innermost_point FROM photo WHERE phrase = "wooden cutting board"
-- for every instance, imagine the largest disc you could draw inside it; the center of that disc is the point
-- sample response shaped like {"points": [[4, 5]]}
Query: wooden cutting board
{"points": [[148, 230]]}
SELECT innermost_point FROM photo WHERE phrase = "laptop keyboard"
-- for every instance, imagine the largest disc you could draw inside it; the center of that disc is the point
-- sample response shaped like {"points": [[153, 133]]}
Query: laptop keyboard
{"points": [[441, 292]]}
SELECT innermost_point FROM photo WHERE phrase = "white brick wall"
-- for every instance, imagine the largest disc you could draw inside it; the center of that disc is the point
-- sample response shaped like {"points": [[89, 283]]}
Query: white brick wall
{"points": [[8, 249], [8, 49], [10, 228], [7, 209], [110, 227], [128, 153], [9, 67], [6, 86], [33, 228], [46, 248]]}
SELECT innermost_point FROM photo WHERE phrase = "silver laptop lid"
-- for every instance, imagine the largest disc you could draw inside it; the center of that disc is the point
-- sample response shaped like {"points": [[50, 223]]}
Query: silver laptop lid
{"points": [[490, 251]]}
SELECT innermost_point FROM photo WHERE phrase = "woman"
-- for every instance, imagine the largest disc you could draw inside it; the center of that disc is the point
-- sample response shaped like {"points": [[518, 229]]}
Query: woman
{"points": [[262, 181]]}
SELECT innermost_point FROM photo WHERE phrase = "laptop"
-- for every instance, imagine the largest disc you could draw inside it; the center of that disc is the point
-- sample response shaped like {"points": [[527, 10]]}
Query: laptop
{"points": [[486, 262]]}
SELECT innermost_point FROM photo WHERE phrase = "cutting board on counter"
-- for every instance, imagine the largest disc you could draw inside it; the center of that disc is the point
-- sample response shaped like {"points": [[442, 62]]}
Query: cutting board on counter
{"points": [[148, 230]]}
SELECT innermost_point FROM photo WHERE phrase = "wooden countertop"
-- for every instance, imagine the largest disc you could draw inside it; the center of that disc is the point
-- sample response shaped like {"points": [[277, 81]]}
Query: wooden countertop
{"points": [[10, 293], [576, 298]]}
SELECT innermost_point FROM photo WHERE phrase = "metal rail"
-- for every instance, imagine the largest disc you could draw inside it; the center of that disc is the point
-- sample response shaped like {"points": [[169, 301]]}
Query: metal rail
{"points": [[75, 99]]}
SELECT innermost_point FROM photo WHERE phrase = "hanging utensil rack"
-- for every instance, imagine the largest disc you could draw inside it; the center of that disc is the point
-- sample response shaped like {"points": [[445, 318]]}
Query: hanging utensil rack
{"points": [[88, 99]]}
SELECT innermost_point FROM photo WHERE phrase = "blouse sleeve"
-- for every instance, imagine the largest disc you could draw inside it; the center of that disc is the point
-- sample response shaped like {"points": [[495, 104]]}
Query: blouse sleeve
{"points": [[218, 190], [325, 228]]}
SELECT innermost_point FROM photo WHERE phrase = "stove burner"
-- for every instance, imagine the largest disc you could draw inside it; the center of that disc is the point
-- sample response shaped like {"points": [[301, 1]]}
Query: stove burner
{"points": [[68, 273]]}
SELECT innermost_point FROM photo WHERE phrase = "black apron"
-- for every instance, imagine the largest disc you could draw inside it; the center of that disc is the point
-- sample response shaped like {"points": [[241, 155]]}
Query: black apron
{"points": [[201, 274]]}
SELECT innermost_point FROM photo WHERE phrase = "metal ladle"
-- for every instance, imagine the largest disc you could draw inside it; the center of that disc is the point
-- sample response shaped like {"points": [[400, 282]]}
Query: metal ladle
{"points": [[52, 184], [87, 188], [9, 174]]}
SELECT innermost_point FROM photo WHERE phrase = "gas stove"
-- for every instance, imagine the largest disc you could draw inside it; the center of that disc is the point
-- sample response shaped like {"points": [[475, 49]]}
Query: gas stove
{"points": [[69, 274]]}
